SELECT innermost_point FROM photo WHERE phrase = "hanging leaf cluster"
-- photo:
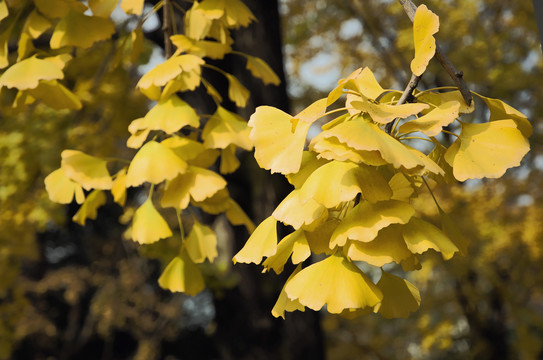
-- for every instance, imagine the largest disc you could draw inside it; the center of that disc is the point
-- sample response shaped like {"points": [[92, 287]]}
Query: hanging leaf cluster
{"points": [[354, 185]]}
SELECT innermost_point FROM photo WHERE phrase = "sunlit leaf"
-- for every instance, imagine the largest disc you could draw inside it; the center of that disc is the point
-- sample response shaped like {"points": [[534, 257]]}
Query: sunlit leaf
{"points": [[36, 25], [26, 74], [61, 188], [402, 189], [201, 243], [197, 24], [432, 123], [294, 244], [118, 190], [73, 30], [55, 9], [236, 91], [182, 275], [55, 95], [309, 164], [229, 161], [88, 171], [336, 282], [4, 11], [132, 7], [474, 154], [297, 213], [89, 209], [170, 115], [154, 163], [284, 303], [400, 297], [502, 111], [225, 128], [237, 216], [425, 25], [201, 48], [103, 8], [262, 242], [169, 69], [420, 236], [148, 226], [365, 220], [261, 70], [384, 113]]}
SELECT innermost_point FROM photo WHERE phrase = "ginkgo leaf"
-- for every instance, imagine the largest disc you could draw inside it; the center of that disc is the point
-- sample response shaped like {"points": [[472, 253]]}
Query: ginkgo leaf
{"points": [[139, 133], [400, 297], [169, 69], [389, 246], [213, 9], [294, 244], [55, 9], [261, 70], [137, 44], [4, 49], [132, 7], [420, 236], [384, 113], [502, 111], [338, 90], [309, 164], [61, 188], [148, 226], [438, 98], [366, 84], [237, 216], [362, 135], [225, 128], [55, 95], [429, 165], [402, 189], [262, 242], [373, 185], [319, 238], [438, 156], [36, 24], [103, 8], [201, 48], [26, 74], [118, 189], [196, 182], [193, 152], [365, 220], [154, 163], [332, 184], [236, 91], [218, 203], [310, 114], [170, 115], [182, 275], [332, 149], [201, 243], [197, 24], [474, 154], [297, 213], [237, 13], [425, 25], [73, 30], [88, 171], [451, 230], [336, 282], [89, 209], [229, 161], [433, 122], [277, 147], [284, 303], [4, 11]]}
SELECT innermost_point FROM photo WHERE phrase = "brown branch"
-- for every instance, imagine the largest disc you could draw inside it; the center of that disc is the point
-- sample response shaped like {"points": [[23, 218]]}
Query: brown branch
{"points": [[456, 75], [167, 28], [411, 85]]}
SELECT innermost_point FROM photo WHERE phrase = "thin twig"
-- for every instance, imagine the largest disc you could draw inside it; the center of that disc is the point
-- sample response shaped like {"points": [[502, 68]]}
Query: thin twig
{"points": [[167, 28], [411, 85], [456, 75]]}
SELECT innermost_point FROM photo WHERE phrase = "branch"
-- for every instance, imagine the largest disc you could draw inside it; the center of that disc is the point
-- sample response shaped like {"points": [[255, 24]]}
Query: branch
{"points": [[456, 75], [167, 28], [411, 85]]}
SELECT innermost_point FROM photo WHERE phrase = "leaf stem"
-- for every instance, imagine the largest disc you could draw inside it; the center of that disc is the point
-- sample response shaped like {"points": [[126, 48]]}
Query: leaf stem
{"points": [[449, 132]]}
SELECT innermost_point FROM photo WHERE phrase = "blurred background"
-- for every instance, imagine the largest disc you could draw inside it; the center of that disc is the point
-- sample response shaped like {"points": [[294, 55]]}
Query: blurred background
{"points": [[74, 292]]}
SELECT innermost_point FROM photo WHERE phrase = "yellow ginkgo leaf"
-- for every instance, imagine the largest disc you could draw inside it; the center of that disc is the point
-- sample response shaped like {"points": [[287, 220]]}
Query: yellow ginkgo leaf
{"points": [[400, 297], [197, 24], [88, 171], [26, 74], [196, 182], [61, 188], [319, 238], [366, 84], [237, 13], [452, 232], [132, 7], [285, 248], [336, 282], [262, 242], [474, 154], [148, 226], [438, 98], [277, 147], [261, 70], [432, 123], [182, 275], [4, 49], [420, 236], [309, 164], [284, 303], [170, 115], [55, 9], [438, 156], [137, 44], [385, 113], [139, 133], [297, 213], [373, 185], [201, 243], [36, 24], [4, 11], [229, 161], [237, 216], [332, 184], [236, 91], [218, 203], [168, 70], [502, 111], [103, 8], [425, 25], [402, 189], [429, 165], [310, 114], [154, 163], [342, 83], [118, 190], [331, 148], [387, 247], [365, 220], [362, 135], [73, 30], [200, 48], [225, 128], [55, 95], [89, 209]]}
